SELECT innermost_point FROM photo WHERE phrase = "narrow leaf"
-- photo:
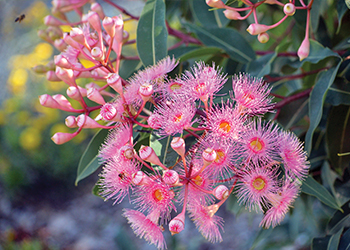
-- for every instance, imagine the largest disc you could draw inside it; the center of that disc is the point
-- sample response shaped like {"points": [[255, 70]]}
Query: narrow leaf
{"points": [[340, 219], [334, 240], [89, 162], [261, 66], [317, 97], [151, 39], [312, 187], [227, 39]]}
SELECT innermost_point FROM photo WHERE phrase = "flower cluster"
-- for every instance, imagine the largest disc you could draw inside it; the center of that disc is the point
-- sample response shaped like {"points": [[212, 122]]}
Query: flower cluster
{"points": [[235, 150], [259, 29]]}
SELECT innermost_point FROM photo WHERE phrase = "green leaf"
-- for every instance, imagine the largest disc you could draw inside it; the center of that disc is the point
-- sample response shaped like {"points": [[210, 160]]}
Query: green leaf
{"points": [[223, 38], [345, 240], [334, 240], [161, 147], [341, 9], [320, 243], [96, 190], [317, 97], [89, 163], [339, 93], [340, 219], [199, 52], [312, 187], [337, 134], [128, 67], [151, 39], [261, 66], [200, 12], [263, 234]]}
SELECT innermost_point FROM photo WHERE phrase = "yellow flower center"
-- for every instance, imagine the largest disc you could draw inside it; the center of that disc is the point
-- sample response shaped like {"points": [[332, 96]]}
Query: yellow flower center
{"points": [[224, 126], [177, 118], [220, 156], [198, 180], [258, 183], [175, 86], [158, 195], [256, 144]]}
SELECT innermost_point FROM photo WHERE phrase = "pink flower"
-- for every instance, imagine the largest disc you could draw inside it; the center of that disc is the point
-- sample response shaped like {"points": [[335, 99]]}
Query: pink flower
{"points": [[251, 95], [255, 185], [259, 141], [204, 81], [116, 178], [208, 224], [155, 196], [225, 122], [146, 226], [280, 203], [116, 138], [293, 156], [176, 115]]}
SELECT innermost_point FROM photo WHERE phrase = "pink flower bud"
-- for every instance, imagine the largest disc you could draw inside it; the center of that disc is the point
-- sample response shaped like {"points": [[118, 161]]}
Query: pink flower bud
{"points": [[60, 138], [39, 69], [62, 100], [178, 144], [97, 54], [95, 96], [221, 192], [62, 62], [147, 153], [119, 28], [94, 20], [255, 28], [171, 177], [115, 82], [52, 21], [69, 40], [146, 92], [140, 178], [177, 224], [52, 77], [215, 4], [263, 37], [47, 101], [127, 152], [73, 92], [87, 122], [60, 44], [59, 14], [77, 35], [96, 7], [71, 122], [232, 14], [108, 111], [109, 26], [289, 9], [209, 155], [43, 35], [304, 49], [65, 75], [154, 121]]}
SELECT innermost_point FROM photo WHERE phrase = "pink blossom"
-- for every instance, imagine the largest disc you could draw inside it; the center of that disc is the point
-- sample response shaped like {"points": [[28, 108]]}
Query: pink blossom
{"points": [[251, 95], [208, 224], [117, 178], [255, 185], [280, 203], [146, 227], [260, 141], [293, 156]]}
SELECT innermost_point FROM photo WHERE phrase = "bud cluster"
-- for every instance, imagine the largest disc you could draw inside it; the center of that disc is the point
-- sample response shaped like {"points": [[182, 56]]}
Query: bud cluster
{"points": [[234, 13], [235, 151]]}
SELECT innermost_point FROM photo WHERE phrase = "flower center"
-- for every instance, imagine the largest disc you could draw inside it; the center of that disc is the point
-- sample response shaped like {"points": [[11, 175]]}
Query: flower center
{"points": [[175, 86], [177, 118], [220, 156], [200, 88], [224, 126], [249, 97], [158, 195], [256, 145], [198, 180], [258, 183]]}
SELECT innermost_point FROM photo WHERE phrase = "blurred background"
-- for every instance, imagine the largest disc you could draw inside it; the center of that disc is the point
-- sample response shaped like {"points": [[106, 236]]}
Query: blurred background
{"points": [[41, 208]]}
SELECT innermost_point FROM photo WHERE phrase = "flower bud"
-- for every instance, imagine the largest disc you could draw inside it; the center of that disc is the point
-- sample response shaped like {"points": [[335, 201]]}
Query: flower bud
{"points": [[62, 100], [178, 144], [263, 37], [177, 224], [119, 28], [52, 21], [109, 26], [60, 44], [69, 40], [47, 101], [52, 77], [97, 54], [289, 9], [221, 192], [215, 4], [304, 49], [94, 20], [66, 75], [209, 155], [255, 28], [170, 177], [146, 92], [43, 35], [60, 138], [115, 82], [77, 35], [62, 62], [232, 14], [87, 122], [127, 151], [108, 111], [147, 153], [96, 7], [140, 178], [94, 95], [39, 69], [71, 122], [59, 14], [73, 92]]}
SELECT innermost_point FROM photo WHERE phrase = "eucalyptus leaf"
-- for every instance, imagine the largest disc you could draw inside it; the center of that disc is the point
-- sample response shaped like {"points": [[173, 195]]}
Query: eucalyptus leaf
{"points": [[341, 9], [340, 219], [312, 187], [202, 15], [334, 240], [89, 162], [231, 41], [152, 34], [261, 66]]}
